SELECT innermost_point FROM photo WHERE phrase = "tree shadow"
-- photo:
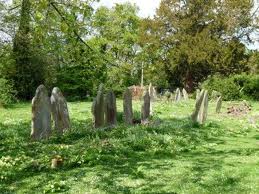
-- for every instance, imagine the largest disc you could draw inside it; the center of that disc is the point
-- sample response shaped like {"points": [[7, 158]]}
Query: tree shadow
{"points": [[116, 154]]}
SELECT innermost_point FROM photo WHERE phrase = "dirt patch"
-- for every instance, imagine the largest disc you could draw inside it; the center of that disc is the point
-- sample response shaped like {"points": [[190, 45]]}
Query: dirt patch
{"points": [[239, 109]]}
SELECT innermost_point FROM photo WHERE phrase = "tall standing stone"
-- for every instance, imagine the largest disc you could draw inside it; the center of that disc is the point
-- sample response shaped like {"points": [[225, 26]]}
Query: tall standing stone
{"points": [[151, 94], [145, 110], [41, 114], [185, 95], [154, 93], [204, 108], [218, 104], [110, 109], [127, 107], [59, 110], [195, 114], [198, 92], [98, 108], [178, 95]]}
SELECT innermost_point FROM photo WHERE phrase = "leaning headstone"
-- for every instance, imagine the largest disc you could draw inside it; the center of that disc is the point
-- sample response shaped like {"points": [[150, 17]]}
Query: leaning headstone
{"points": [[218, 104], [98, 108], [110, 109], [198, 92], [59, 111], [204, 108], [195, 114], [41, 114], [177, 95], [145, 110], [185, 94], [127, 107]]}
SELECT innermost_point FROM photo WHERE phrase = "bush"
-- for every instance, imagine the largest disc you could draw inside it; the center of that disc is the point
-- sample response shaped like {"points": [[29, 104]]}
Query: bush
{"points": [[226, 86], [249, 86], [7, 93], [235, 87]]}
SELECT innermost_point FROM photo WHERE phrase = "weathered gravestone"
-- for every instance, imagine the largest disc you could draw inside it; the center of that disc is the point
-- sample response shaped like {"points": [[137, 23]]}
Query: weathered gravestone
{"points": [[178, 95], [145, 110], [196, 115], [204, 108], [110, 109], [127, 107], [98, 108], [185, 94], [154, 93], [41, 114], [59, 110], [151, 91], [218, 104], [152, 98], [198, 92], [198, 104]]}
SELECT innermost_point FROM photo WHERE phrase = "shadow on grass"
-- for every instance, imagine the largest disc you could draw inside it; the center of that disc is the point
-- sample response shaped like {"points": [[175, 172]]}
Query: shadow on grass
{"points": [[112, 155]]}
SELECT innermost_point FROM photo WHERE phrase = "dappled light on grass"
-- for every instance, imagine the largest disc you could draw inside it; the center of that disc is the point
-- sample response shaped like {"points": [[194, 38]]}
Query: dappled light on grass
{"points": [[170, 156]]}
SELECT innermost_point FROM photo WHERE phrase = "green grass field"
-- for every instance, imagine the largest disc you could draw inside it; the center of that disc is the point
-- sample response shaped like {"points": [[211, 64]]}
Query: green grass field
{"points": [[170, 156]]}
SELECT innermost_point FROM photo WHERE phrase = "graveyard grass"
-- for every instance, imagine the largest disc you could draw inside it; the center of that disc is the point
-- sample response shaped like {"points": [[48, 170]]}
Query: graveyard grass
{"points": [[171, 156]]}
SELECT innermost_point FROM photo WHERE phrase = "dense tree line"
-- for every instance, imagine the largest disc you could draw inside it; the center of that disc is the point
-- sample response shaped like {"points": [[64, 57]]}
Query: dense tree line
{"points": [[74, 46]]}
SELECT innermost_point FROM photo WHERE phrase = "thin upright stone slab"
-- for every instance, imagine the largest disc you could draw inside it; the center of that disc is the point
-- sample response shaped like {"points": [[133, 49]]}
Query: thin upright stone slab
{"points": [[197, 94], [41, 114], [98, 108], [152, 97], [110, 109], [178, 95], [151, 91], [127, 107], [59, 110], [185, 95], [204, 108], [218, 104], [198, 105], [145, 110]]}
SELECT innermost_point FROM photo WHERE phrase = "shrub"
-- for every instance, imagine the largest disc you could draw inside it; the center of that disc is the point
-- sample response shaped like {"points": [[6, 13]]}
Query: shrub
{"points": [[249, 85], [226, 86], [7, 93], [235, 87]]}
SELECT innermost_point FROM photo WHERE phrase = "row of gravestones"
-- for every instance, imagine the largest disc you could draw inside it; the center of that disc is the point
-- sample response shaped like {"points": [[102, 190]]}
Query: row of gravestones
{"points": [[103, 109], [178, 95]]}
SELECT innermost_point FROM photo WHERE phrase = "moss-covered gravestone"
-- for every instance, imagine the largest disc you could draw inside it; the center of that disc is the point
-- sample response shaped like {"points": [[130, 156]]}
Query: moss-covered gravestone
{"points": [[110, 109], [145, 110], [127, 107]]}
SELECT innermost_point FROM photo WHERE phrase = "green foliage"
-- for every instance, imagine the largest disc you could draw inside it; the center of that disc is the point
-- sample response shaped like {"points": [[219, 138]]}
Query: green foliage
{"points": [[234, 87], [189, 40], [226, 86], [249, 85], [117, 38], [219, 157], [7, 93]]}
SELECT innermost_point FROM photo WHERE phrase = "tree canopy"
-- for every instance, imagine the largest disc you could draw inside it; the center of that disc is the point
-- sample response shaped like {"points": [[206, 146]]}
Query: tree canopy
{"points": [[76, 46]]}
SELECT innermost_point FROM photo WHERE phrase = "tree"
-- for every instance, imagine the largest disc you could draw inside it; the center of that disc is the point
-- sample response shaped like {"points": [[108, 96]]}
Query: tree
{"points": [[29, 71], [193, 39], [116, 36]]}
